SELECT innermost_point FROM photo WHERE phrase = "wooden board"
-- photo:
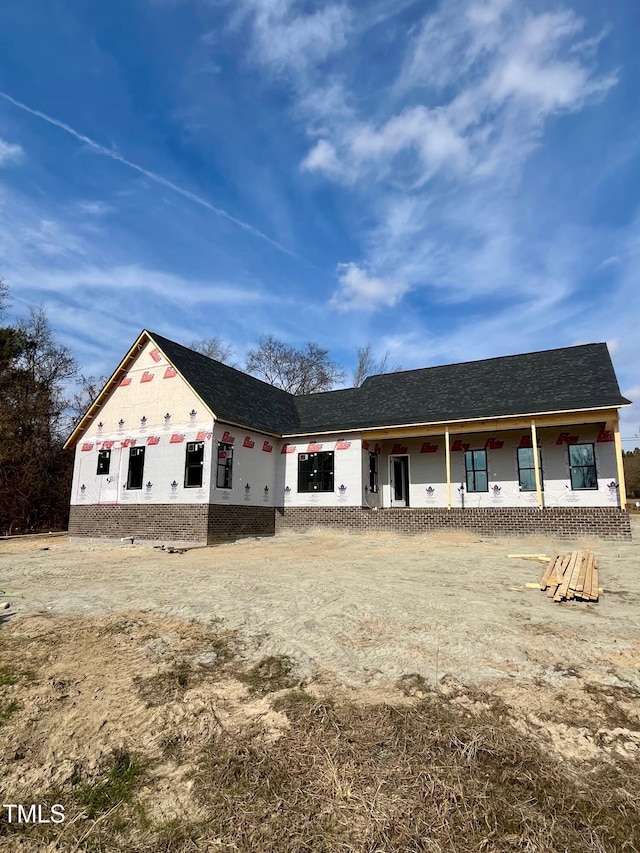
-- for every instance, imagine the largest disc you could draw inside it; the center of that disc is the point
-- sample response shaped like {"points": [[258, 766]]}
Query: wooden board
{"points": [[554, 582], [564, 586], [575, 574], [594, 588], [588, 581], [583, 572], [551, 567]]}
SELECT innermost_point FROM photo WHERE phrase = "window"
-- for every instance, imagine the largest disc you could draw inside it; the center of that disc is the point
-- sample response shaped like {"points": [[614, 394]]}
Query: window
{"points": [[373, 472], [193, 465], [136, 468], [104, 461], [315, 471], [526, 470], [582, 463], [475, 463], [225, 465]]}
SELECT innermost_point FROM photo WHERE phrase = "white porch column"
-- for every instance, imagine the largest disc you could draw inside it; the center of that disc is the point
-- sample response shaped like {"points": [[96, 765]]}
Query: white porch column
{"points": [[536, 462], [447, 456], [622, 488]]}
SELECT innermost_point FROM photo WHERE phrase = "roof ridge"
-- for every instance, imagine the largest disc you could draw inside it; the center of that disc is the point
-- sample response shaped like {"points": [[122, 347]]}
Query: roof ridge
{"points": [[488, 358]]}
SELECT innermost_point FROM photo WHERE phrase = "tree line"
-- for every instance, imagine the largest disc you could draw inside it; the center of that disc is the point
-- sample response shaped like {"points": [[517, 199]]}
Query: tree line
{"points": [[308, 370], [43, 394], [35, 471]]}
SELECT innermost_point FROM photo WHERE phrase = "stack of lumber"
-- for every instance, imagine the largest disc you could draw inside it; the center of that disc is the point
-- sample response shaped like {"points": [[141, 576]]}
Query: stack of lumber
{"points": [[573, 575]]}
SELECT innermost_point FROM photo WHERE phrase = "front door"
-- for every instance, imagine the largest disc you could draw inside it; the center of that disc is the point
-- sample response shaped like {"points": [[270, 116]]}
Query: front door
{"points": [[399, 480]]}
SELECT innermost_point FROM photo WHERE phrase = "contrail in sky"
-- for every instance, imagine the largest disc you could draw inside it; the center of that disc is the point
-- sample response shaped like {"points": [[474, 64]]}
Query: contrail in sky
{"points": [[153, 176]]}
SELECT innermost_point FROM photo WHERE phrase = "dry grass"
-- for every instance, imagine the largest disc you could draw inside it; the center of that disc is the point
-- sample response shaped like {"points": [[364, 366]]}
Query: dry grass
{"points": [[428, 777], [450, 771]]}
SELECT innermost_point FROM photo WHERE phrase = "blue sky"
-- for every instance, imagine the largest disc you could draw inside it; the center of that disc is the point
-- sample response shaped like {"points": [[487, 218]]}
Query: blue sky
{"points": [[449, 181]]}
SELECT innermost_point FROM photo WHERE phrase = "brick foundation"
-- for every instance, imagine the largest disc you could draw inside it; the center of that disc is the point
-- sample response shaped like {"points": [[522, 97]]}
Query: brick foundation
{"points": [[604, 522], [201, 523], [229, 522]]}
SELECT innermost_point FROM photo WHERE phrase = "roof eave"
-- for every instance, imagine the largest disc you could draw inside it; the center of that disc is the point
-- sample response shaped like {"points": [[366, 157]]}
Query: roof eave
{"points": [[443, 423]]}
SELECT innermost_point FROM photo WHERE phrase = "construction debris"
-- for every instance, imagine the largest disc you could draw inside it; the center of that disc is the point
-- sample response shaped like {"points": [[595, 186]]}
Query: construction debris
{"points": [[573, 575], [540, 558]]}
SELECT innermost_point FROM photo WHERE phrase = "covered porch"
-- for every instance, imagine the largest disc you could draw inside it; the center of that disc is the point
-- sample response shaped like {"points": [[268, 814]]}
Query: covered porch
{"points": [[491, 463]]}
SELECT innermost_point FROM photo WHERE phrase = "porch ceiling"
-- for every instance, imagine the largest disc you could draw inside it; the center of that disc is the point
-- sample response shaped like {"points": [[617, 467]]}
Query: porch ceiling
{"points": [[608, 417]]}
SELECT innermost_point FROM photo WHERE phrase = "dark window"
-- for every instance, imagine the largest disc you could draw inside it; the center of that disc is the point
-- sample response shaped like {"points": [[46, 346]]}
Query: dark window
{"points": [[373, 472], [475, 463], [526, 470], [136, 468], [194, 464], [582, 462], [225, 465], [315, 471], [104, 461]]}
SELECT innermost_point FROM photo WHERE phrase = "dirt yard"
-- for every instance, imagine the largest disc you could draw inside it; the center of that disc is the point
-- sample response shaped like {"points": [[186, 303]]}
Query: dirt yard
{"points": [[118, 663], [363, 609]]}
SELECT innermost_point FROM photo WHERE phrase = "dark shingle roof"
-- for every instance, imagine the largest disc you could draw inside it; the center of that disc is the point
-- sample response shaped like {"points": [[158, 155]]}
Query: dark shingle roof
{"points": [[231, 394], [570, 378]]}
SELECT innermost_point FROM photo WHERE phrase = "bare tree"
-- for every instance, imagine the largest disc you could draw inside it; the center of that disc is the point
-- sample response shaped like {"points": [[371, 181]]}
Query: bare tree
{"points": [[369, 366], [298, 371], [82, 396], [34, 470], [214, 348]]}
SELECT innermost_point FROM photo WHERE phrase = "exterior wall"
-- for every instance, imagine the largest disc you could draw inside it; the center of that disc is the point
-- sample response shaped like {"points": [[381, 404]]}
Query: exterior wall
{"points": [[348, 472], [565, 522], [255, 462], [146, 522], [171, 523], [134, 416], [428, 476], [230, 522]]}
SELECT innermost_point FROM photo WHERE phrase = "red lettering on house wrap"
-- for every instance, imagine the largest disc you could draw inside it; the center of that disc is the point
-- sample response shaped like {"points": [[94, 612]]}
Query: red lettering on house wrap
{"points": [[493, 444], [427, 447], [567, 438], [399, 448]]}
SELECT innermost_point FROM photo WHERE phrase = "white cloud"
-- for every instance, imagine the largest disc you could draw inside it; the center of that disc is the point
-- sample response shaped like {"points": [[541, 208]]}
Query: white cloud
{"points": [[10, 153], [95, 208], [449, 42], [436, 157], [419, 130], [287, 40], [322, 157], [359, 289], [531, 69]]}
